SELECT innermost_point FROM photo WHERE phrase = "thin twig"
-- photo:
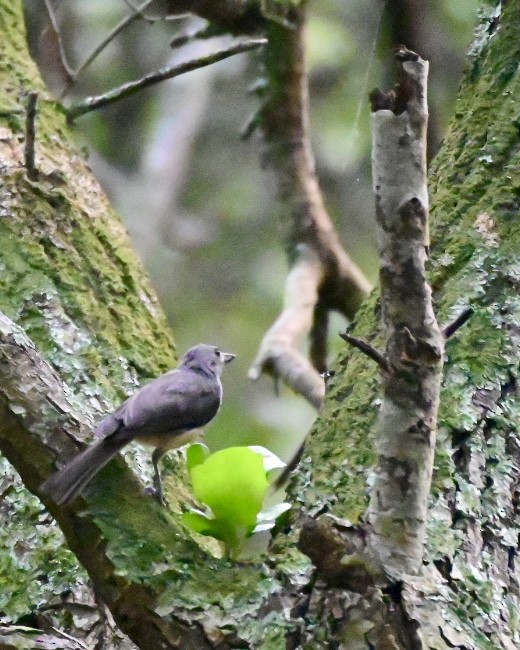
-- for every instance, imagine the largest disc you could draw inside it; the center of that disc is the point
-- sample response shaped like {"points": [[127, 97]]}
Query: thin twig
{"points": [[367, 349], [252, 124], [61, 50], [450, 329], [168, 72], [280, 480], [30, 134], [127, 20], [172, 18], [70, 638]]}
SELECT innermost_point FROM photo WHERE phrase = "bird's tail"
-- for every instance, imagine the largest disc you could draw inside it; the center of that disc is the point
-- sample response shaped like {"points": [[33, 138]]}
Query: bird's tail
{"points": [[65, 485]]}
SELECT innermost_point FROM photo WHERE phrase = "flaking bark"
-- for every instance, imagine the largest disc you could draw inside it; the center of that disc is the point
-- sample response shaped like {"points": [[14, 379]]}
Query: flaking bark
{"points": [[405, 430]]}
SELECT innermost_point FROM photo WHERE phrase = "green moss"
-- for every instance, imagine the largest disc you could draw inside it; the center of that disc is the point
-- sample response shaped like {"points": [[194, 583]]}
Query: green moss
{"points": [[35, 566], [69, 278], [475, 233], [342, 437]]}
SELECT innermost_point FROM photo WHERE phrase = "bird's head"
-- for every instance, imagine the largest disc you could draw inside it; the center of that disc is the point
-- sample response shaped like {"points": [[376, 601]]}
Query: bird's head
{"points": [[207, 358]]}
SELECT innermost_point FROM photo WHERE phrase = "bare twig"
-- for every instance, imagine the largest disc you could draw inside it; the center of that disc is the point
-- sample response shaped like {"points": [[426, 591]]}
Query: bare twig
{"points": [[173, 18], [127, 20], [69, 73], [30, 134], [367, 349], [78, 642], [168, 72], [450, 329], [289, 468], [252, 124]]}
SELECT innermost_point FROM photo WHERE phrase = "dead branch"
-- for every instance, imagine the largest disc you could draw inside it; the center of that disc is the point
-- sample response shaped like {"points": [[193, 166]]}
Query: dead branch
{"points": [[123, 24], [30, 136], [168, 72], [323, 278], [406, 427]]}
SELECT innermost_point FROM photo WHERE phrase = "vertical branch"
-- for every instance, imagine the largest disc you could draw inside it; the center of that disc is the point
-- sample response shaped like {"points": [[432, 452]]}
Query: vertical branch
{"points": [[337, 283], [405, 438], [30, 136]]}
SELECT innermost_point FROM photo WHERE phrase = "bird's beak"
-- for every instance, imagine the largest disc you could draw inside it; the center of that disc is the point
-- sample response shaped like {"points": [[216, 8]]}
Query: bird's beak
{"points": [[227, 356]]}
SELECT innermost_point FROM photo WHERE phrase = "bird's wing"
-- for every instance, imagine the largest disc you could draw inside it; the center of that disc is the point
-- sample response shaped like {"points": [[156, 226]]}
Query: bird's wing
{"points": [[180, 400]]}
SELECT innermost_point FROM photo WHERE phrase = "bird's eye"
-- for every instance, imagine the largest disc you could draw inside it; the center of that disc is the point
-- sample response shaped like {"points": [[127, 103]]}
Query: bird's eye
{"points": [[217, 352]]}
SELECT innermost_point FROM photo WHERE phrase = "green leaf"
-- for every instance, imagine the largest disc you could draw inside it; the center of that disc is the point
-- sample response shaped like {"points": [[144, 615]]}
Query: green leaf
{"points": [[200, 523], [196, 455], [233, 483]]}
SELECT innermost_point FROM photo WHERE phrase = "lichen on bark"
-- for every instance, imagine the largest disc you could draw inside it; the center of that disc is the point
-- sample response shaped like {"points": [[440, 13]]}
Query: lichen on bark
{"points": [[468, 593], [472, 535]]}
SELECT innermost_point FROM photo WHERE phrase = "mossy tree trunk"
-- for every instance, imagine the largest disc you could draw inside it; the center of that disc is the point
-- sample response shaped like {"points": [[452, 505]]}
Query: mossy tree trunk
{"points": [[80, 327], [469, 596]]}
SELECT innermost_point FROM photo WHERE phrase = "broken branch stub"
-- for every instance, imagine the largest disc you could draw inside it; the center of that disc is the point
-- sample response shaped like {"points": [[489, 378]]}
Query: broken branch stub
{"points": [[406, 426]]}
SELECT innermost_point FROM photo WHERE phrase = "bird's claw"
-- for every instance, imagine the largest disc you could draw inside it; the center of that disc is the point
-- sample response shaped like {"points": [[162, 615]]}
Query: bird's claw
{"points": [[156, 494]]}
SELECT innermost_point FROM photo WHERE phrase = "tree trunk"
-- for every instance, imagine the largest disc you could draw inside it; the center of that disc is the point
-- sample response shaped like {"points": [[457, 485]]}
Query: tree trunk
{"points": [[81, 326], [470, 586]]}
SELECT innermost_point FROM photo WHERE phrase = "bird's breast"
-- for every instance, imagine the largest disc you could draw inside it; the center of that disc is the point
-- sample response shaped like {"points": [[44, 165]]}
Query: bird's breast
{"points": [[171, 440]]}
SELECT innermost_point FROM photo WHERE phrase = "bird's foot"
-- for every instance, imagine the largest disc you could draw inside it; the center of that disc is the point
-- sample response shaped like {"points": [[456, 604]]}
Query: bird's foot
{"points": [[156, 494]]}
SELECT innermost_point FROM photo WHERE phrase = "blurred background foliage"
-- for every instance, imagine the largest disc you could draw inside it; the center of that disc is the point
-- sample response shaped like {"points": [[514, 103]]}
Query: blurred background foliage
{"points": [[195, 200]]}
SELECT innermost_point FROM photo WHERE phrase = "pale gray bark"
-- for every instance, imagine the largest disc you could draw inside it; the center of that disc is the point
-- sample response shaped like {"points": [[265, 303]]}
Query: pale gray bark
{"points": [[407, 421]]}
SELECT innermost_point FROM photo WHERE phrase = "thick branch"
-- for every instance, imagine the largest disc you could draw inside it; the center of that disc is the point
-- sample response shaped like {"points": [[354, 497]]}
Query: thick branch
{"points": [[405, 438], [278, 353], [338, 283], [37, 412]]}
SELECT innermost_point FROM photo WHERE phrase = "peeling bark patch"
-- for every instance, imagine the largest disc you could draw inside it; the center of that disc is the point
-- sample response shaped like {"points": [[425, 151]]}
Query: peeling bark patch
{"points": [[413, 218], [400, 472]]}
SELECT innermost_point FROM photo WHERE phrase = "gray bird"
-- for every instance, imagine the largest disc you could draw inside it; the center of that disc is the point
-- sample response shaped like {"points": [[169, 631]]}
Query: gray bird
{"points": [[164, 413]]}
